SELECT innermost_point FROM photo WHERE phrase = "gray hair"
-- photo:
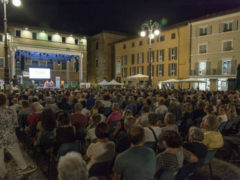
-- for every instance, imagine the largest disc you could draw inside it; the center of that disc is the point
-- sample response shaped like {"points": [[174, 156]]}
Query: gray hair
{"points": [[196, 133], [170, 118], [212, 123], [78, 107], [37, 107], [72, 167], [115, 106]]}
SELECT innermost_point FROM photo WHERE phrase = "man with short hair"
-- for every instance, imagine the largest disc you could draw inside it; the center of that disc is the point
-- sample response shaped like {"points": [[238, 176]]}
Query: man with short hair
{"points": [[138, 162], [143, 119]]}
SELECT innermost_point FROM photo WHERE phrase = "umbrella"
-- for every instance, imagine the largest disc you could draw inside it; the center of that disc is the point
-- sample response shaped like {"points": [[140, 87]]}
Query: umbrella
{"points": [[114, 83], [103, 83], [171, 81], [137, 76], [192, 80], [238, 78]]}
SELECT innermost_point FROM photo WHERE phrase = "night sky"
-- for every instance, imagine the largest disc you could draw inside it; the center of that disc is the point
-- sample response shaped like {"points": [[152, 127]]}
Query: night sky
{"points": [[92, 16]]}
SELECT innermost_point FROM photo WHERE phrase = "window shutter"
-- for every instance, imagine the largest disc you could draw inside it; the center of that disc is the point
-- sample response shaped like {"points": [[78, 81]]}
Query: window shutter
{"points": [[208, 72], [169, 65], [158, 54], [122, 60], [138, 58], [152, 56], [162, 54], [169, 53], [221, 26], [157, 69], [142, 58], [233, 66], [148, 57], [209, 29], [235, 25], [162, 69], [175, 53], [197, 68], [220, 67], [197, 31], [152, 70], [176, 69]]}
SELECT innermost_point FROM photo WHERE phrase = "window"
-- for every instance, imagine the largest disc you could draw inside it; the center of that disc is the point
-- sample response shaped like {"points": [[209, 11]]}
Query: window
{"points": [[132, 71], [50, 64], [34, 63], [96, 45], [140, 58], [141, 70], [125, 60], [49, 37], [226, 67], [160, 70], [76, 41], [152, 70], [18, 33], [124, 46], [64, 65], [96, 62], [202, 68], [172, 53], [1, 62], [152, 41], [172, 71], [151, 56], [173, 35], [1, 38], [133, 59], [140, 43], [227, 46], [63, 39], [228, 26], [161, 55], [34, 35], [133, 44], [124, 72], [162, 38], [202, 48], [203, 31]]}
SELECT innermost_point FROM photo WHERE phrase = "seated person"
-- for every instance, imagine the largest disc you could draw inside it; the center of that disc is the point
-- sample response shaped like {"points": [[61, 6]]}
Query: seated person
{"points": [[222, 115], [65, 132], [115, 115], [143, 119], [103, 150], [33, 118], [137, 162], [169, 121], [194, 144], [96, 119], [213, 139], [173, 157], [77, 118], [72, 167]]}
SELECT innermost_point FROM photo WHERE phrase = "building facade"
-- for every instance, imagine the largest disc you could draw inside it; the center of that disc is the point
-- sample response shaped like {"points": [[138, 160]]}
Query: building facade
{"points": [[215, 50], [101, 55], [63, 53], [170, 54]]}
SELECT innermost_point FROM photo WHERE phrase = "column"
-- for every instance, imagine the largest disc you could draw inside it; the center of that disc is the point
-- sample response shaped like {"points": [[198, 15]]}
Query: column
{"points": [[213, 84], [13, 63], [68, 75], [80, 68]]}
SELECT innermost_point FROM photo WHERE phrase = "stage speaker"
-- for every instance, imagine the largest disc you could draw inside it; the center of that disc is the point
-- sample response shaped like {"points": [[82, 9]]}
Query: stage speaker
{"points": [[76, 66], [22, 62]]}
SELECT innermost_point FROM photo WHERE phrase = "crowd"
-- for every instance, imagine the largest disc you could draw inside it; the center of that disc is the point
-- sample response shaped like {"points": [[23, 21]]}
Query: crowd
{"points": [[117, 133]]}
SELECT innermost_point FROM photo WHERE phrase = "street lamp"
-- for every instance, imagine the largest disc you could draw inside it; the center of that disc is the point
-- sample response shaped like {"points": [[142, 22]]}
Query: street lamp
{"points": [[151, 29], [6, 68]]}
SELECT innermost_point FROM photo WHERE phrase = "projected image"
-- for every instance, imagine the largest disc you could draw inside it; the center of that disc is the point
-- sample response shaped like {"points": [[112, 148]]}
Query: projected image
{"points": [[39, 73]]}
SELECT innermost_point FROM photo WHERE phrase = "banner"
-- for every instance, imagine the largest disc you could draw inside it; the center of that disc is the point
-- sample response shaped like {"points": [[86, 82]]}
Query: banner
{"points": [[118, 65], [57, 81]]}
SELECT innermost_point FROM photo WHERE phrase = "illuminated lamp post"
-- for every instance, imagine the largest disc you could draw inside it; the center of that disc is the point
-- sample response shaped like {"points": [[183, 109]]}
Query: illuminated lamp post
{"points": [[6, 68], [151, 30]]}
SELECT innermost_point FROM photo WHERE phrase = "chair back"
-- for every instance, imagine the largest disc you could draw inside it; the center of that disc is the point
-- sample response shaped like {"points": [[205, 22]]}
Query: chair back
{"points": [[229, 125], [67, 147], [209, 156], [165, 175], [222, 126], [101, 169]]}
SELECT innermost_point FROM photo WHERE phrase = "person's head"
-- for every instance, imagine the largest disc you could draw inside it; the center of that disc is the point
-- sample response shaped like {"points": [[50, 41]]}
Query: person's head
{"points": [[25, 104], [127, 113], [161, 102], [72, 167], [83, 103], [152, 119], [3, 100], [169, 119], [78, 107], [129, 122], [211, 123], [96, 119], [49, 100], [200, 105], [102, 131], [145, 109], [222, 109], [37, 107], [195, 134], [136, 135], [101, 110], [171, 139], [115, 107], [63, 118], [48, 119], [208, 109]]}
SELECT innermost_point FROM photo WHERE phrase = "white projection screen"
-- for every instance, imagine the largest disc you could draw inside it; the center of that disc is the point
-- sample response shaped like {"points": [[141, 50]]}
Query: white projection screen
{"points": [[39, 73]]}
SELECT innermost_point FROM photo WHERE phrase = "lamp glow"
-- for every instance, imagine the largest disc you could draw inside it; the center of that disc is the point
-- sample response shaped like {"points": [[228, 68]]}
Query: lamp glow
{"points": [[142, 33], [151, 36], [17, 2], [156, 32]]}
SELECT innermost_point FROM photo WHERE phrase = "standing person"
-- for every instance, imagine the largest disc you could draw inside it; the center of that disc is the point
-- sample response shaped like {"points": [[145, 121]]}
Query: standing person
{"points": [[8, 138], [138, 162]]}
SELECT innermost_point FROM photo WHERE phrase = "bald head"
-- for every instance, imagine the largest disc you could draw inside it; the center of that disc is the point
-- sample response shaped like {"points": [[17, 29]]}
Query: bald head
{"points": [[136, 135]]}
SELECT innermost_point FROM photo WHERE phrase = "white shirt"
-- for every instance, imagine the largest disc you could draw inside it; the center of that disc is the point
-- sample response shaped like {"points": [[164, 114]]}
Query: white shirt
{"points": [[222, 118], [149, 137], [143, 120], [162, 109], [85, 112]]}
